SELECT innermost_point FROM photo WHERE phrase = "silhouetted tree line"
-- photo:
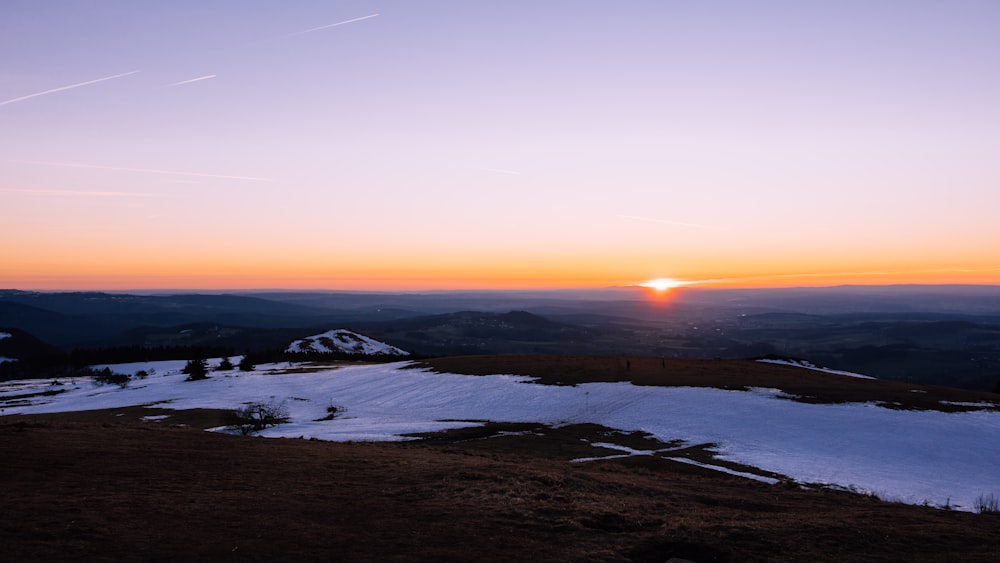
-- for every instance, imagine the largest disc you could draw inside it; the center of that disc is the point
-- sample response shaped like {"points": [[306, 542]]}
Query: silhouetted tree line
{"points": [[37, 368], [135, 353], [61, 364]]}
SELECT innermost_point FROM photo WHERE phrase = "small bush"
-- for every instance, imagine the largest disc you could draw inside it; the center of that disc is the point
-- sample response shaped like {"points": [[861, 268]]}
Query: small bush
{"points": [[255, 417], [332, 412], [107, 377], [988, 504], [246, 364], [225, 365]]}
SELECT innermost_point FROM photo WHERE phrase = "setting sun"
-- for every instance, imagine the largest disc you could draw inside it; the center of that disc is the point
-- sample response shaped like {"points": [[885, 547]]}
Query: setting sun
{"points": [[663, 284]]}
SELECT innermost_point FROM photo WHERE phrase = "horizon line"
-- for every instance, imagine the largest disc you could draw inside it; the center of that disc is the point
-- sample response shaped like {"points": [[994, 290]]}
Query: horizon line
{"points": [[636, 286]]}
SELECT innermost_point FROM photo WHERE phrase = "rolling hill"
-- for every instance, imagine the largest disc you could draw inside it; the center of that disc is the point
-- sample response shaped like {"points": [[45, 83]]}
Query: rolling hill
{"points": [[921, 334]]}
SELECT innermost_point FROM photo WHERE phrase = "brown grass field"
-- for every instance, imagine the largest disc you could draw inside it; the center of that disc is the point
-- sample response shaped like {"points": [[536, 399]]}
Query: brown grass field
{"points": [[107, 486]]}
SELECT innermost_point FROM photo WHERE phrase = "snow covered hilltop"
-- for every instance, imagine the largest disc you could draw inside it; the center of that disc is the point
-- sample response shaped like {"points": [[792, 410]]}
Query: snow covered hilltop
{"points": [[342, 341]]}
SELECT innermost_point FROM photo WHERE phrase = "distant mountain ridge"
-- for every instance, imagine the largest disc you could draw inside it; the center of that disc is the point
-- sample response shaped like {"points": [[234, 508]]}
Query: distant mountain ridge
{"points": [[75, 319], [477, 332], [946, 335]]}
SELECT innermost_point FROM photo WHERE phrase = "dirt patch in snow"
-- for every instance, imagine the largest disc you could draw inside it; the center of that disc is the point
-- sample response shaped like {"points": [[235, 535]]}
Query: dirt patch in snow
{"points": [[797, 383]]}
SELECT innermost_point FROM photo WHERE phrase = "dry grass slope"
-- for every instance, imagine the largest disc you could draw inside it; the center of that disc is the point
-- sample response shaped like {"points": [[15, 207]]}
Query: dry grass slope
{"points": [[106, 485]]}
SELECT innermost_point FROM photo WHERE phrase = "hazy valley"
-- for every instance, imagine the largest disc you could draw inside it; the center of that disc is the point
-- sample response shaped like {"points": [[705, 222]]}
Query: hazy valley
{"points": [[946, 335]]}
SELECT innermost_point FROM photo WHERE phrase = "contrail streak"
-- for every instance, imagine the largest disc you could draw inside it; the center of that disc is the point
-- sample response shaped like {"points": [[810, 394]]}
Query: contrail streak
{"points": [[67, 192], [664, 221], [333, 25], [70, 87], [152, 171], [206, 77]]}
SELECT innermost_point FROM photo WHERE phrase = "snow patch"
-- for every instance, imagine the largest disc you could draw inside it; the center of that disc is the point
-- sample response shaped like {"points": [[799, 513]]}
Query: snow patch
{"points": [[5, 335], [771, 392], [628, 452], [980, 404], [809, 365], [344, 341], [754, 476]]}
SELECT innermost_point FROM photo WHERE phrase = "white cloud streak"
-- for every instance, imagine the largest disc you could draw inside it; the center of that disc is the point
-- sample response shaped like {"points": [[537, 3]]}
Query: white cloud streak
{"points": [[84, 193], [63, 88], [152, 171], [206, 77], [332, 25]]}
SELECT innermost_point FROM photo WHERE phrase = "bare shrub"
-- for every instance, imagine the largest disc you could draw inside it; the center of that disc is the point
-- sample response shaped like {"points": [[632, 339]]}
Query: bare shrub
{"points": [[107, 377], [988, 504], [332, 412], [257, 416]]}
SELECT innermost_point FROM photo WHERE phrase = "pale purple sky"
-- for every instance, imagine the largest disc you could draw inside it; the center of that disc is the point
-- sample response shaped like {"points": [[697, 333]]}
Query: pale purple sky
{"points": [[593, 142]]}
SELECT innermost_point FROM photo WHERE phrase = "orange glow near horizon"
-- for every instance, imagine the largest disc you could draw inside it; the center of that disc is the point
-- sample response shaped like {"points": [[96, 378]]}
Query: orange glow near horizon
{"points": [[411, 277], [91, 262]]}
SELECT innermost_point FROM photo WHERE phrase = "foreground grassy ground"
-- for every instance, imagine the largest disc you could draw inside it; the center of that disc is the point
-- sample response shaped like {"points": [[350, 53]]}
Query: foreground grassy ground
{"points": [[108, 485]]}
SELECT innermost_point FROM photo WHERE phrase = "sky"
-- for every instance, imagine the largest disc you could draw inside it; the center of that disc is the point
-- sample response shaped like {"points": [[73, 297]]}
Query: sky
{"points": [[399, 145]]}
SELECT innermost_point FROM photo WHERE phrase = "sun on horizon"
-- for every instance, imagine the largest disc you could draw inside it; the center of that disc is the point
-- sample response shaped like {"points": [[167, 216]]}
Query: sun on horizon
{"points": [[664, 284]]}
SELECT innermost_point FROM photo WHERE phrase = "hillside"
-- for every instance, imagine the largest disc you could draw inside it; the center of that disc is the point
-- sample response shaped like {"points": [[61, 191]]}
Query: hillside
{"points": [[477, 332], [556, 459], [17, 345], [23, 355], [73, 319], [113, 489], [776, 423]]}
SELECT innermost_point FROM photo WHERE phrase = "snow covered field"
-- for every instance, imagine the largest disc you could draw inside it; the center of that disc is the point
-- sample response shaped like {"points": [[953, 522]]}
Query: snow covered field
{"points": [[909, 456]]}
